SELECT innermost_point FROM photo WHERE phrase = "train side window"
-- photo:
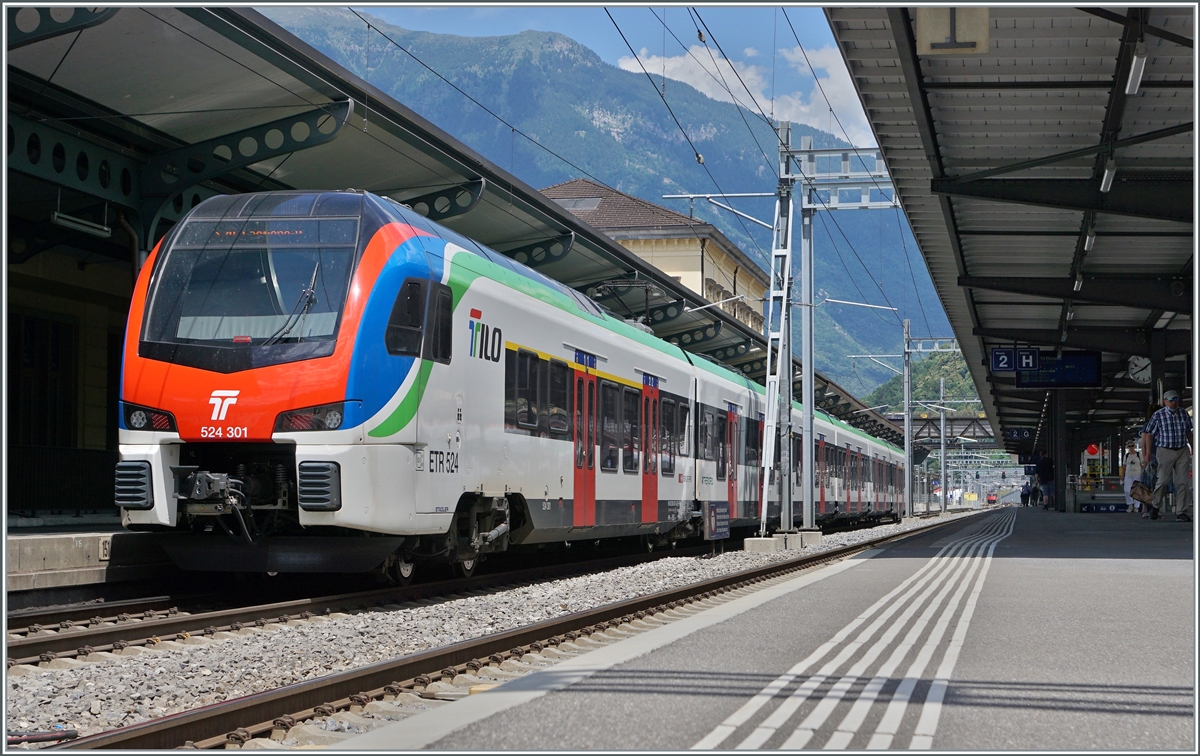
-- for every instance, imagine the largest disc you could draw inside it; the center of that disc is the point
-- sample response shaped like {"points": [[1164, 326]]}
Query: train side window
{"points": [[610, 425], [682, 429], [527, 389], [670, 441], [654, 422], [704, 434], [722, 433], [510, 389], [591, 425], [403, 334], [560, 397], [439, 345], [631, 428]]}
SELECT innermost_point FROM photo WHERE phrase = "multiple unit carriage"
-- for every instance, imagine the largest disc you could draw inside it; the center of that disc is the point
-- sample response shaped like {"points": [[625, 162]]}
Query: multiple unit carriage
{"points": [[301, 368]]}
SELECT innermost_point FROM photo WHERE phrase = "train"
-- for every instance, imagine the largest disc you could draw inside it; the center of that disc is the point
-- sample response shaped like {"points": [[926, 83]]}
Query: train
{"points": [[331, 382]]}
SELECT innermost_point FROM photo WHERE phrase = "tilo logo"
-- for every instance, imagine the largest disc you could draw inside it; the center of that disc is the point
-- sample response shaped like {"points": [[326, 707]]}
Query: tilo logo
{"points": [[486, 342], [220, 400]]}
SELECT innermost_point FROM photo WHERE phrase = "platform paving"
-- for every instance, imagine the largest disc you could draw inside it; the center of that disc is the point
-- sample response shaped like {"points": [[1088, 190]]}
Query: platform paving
{"points": [[1018, 629]]}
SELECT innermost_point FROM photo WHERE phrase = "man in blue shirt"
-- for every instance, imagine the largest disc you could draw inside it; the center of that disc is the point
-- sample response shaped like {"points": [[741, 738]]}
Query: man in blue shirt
{"points": [[1171, 431]]}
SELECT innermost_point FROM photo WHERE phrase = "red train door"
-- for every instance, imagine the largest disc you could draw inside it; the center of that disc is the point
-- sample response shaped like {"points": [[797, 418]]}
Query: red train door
{"points": [[651, 427], [585, 449], [731, 464]]}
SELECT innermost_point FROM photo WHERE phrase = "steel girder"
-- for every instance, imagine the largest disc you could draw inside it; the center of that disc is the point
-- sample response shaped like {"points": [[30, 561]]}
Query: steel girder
{"points": [[1172, 293], [542, 252], [448, 202], [1157, 196]]}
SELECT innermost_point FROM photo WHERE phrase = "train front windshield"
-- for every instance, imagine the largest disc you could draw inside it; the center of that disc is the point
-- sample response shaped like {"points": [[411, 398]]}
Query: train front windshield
{"points": [[266, 283]]}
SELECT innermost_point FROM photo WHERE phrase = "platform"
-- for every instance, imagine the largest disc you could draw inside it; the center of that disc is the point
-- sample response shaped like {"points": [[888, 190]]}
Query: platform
{"points": [[1016, 629], [80, 556]]}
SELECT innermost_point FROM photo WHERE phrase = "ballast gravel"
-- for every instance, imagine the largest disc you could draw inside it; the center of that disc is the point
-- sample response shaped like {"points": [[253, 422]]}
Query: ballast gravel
{"points": [[109, 691]]}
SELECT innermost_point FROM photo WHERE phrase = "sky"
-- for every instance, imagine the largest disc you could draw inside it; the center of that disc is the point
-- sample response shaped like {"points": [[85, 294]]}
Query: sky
{"points": [[757, 43]]}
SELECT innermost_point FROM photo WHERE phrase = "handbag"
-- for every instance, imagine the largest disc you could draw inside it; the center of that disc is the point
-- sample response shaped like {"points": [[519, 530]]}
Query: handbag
{"points": [[1139, 491]]}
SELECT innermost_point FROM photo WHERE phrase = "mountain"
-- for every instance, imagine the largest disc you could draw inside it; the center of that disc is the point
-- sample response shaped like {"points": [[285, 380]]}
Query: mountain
{"points": [[585, 116]]}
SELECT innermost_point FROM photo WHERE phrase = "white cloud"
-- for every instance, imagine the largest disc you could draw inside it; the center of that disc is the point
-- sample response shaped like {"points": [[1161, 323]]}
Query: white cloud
{"points": [[699, 71], [750, 52]]}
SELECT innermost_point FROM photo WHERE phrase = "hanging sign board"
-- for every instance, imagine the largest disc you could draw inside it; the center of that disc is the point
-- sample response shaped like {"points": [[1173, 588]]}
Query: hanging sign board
{"points": [[1068, 370]]}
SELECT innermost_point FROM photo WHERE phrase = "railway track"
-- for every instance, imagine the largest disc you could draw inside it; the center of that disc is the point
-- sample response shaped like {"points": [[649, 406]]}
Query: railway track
{"points": [[71, 638], [272, 713]]}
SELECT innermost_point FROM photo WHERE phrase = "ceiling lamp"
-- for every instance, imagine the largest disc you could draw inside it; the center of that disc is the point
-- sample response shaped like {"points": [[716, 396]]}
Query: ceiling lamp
{"points": [[1110, 172], [1136, 69], [1090, 240]]}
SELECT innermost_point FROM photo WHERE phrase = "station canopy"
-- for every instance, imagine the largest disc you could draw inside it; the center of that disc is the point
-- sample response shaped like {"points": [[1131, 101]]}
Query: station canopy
{"points": [[998, 133], [169, 106]]}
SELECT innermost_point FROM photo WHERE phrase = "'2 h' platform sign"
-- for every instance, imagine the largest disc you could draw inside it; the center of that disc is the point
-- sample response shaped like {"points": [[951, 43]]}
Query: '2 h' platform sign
{"points": [[1004, 360], [1028, 359]]}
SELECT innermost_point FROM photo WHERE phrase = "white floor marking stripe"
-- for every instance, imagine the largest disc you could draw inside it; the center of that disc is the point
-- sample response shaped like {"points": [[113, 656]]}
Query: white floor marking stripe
{"points": [[760, 699], [894, 714], [931, 711], [779, 717], [850, 724], [721, 732], [825, 708]]}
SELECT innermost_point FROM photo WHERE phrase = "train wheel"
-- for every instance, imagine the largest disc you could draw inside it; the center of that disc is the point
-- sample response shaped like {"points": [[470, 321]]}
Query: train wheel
{"points": [[402, 571], [649, 543], [465, 568]]}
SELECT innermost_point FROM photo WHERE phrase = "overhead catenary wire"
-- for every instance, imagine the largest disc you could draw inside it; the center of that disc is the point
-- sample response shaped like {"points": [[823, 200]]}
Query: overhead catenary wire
{"points": [[724, 85], [688, 139]]}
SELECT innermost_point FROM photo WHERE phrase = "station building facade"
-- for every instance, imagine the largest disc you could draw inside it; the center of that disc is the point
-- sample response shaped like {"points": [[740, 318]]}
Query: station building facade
{"points": [[693, 252]]}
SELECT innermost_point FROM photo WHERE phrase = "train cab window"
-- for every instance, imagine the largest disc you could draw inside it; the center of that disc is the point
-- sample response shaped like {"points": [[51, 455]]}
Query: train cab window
{"points": [[439, 345], [403, 334], [669, 441], [610, 425], [722, 437], [681, 433], [527, 389], [631, 428], [559, 419]]}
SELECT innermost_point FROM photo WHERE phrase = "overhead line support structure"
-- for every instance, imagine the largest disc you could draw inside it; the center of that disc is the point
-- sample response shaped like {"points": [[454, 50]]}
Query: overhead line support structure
{"points": [[851, 177]]}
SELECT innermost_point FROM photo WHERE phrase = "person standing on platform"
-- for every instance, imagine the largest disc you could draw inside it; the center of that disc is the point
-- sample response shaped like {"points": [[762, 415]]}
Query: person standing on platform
{"points": [[1025, 495], [1132, 464], [1045, 479], [1171, 431]]}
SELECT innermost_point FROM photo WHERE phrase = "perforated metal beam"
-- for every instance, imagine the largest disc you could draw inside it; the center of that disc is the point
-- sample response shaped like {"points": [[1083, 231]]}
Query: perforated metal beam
{"points": [[692, 337], [1173, 294], [28, 25], [449, 202], [167, 176], [64, 159], [542, 252]]}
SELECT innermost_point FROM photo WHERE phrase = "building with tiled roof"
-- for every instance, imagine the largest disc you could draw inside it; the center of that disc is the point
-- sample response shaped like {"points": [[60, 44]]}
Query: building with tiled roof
{"points": [[695, 253]]}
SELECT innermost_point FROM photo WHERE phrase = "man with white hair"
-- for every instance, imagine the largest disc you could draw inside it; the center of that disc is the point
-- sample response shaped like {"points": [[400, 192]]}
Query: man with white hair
{"points": [[1171, 430]]}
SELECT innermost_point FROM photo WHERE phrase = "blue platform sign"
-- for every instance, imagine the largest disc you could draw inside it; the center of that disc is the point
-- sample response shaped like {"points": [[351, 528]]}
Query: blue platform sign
{"points": [[1031, 469], [1028, 359], [1004, 360], [1068, 370], [716, 520], [1019, 434]]}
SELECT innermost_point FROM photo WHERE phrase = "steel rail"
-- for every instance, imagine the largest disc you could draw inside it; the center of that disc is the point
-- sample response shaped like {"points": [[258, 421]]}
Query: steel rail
{"points": [[149, 631], [240, 719]]}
